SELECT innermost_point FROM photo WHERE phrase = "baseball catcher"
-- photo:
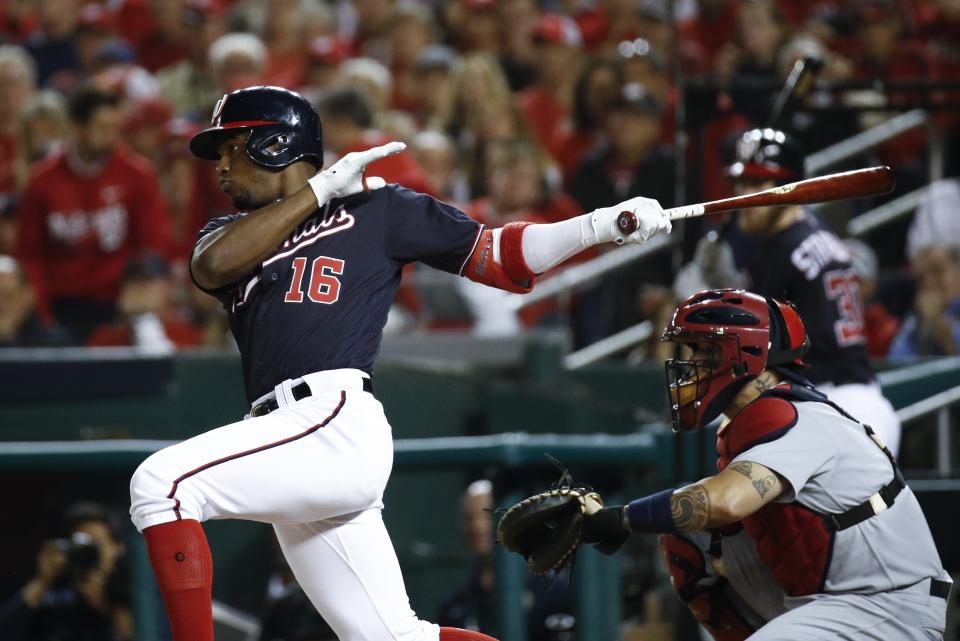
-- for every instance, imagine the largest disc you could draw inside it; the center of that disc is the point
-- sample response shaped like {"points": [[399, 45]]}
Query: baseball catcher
{"points": [[808, 532]]}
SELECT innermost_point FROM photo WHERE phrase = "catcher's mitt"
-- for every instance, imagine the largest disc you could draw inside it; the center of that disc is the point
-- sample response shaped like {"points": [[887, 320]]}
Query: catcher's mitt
{"points": [[547, 528]]}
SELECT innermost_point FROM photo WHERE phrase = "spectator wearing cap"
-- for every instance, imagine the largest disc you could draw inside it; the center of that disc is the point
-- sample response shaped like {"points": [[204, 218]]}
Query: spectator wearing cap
{"points": [[189, 84], [84, 212], [147, 318], [53, 44], [324, 56], [18, 79], [432, 77], [237, 60], [436, 153], [144, 127], [20, 325], [548, 103], [95, 27], [43, 128], [644, 65]]}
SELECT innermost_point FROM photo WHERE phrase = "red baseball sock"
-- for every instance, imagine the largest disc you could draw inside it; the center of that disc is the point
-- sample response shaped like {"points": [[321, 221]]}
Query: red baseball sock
{"points": [[456, 634], [181, 561]]}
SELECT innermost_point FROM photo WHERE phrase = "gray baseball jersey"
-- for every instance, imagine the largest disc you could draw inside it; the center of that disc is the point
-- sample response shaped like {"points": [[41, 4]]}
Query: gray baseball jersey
{"points": [[832, 466]]}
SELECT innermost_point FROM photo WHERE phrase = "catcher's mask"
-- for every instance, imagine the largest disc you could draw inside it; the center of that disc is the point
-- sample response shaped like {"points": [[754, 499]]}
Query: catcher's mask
{"points": [[284, 127], [734, 335]]}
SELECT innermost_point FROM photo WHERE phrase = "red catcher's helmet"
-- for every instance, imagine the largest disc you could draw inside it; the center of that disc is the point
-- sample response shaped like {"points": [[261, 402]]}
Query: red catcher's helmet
{"points": [[284, 127], [735, 335]]}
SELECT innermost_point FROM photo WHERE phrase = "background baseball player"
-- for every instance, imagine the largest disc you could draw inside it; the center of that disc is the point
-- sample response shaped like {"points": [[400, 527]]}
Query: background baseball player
{"points": [[307, 272], [826, 513], [787, 253]]}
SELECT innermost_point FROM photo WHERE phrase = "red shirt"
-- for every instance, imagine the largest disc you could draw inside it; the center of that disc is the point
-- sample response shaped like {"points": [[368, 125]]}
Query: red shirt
{"points": [[549, 119], [76, 233]]}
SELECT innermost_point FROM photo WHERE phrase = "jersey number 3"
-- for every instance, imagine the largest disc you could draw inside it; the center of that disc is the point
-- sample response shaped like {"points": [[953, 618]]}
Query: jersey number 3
{"points": [[841, 286], [324, 286]]}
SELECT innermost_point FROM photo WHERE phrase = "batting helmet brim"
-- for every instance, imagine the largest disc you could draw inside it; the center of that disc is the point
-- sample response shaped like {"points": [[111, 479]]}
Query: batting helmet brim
{"points": [[205, 144]]}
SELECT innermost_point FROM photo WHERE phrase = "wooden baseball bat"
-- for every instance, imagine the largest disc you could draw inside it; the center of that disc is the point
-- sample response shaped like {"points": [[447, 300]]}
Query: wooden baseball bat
{"points": [[841, 186]]}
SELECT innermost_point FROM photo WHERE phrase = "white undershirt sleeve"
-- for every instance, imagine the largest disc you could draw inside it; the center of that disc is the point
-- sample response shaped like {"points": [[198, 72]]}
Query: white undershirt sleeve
{"points": [[546, 246]]}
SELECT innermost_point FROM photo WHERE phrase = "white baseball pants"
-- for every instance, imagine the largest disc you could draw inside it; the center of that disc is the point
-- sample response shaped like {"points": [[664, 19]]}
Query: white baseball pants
{"points": [[866, 403], [315, 469]]}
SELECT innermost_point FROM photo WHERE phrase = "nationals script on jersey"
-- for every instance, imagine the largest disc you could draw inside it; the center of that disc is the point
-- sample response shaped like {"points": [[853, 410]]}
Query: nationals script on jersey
{"points": [[320, 301]]}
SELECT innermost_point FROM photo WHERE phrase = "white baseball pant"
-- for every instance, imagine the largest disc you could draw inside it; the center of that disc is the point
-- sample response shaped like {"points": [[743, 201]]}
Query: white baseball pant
{"points": [[866, 403], [316, 469]]}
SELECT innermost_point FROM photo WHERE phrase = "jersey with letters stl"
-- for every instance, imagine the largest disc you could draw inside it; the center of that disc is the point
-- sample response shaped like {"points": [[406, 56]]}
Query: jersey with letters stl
{"points": [[810, 267], [320, 301]]}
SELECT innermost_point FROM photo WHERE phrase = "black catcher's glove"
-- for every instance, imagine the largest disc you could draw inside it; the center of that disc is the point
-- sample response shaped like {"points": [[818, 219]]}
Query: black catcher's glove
{"points": [[547, 528]]}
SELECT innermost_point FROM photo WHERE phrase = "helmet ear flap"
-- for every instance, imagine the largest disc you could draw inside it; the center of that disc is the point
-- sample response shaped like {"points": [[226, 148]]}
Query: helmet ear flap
{"points": [[789, 342]]}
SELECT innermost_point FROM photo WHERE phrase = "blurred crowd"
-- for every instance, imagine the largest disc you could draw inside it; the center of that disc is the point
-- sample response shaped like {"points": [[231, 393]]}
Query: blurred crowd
{"points": [[512, 109]]}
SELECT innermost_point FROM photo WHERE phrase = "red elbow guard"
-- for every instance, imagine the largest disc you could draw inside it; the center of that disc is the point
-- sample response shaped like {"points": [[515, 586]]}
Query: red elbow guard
{"points": [[513, 275]]}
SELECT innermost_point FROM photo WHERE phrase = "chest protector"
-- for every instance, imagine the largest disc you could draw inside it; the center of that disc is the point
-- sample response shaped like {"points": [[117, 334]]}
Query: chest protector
{"points": [[795, 541]]}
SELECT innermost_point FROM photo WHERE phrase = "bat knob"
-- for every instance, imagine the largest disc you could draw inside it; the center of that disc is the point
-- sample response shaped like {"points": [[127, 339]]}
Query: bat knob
{"points": [[627, 222]]}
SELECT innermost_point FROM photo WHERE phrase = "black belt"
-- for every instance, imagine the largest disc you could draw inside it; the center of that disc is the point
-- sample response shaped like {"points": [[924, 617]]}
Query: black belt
{"points": [[940, 588], [300, 391]]}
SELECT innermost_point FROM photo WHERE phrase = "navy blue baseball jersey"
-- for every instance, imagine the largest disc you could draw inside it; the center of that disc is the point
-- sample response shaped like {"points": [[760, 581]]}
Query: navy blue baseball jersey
{"points": [[809, 266], [320, 301]]}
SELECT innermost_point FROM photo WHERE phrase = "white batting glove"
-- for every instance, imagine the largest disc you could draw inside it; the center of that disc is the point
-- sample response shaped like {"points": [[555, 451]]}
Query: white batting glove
{"points": [[346, 176], [653, 220]]}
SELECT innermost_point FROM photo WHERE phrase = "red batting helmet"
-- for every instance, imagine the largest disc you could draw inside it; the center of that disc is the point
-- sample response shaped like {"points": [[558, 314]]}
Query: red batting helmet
{"points": [[284, 127], [735, 335]]}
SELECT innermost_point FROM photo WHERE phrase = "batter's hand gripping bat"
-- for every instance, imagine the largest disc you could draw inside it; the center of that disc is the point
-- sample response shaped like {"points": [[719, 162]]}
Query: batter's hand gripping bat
{"points": [[860, 183]]}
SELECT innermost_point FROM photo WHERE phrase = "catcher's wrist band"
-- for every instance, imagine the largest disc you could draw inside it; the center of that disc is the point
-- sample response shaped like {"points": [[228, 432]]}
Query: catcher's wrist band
{"points": [[651, 514]]}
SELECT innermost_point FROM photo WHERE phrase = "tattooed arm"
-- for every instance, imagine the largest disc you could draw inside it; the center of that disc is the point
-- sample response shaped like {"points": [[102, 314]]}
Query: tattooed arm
{"points": [[740, 490]]}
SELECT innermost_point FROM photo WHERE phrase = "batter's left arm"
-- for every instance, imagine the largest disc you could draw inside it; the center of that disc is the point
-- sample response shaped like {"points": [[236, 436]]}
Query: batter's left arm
{"points": [[510, 257]]}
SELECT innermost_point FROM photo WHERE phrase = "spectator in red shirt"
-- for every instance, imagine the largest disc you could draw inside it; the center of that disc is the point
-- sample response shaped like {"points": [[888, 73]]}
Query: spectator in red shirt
{"points": [[18, 80], [166, 44], [413, 30], [548, 103], [703, 36], [880, 327], [85, 211], [147, 319]]}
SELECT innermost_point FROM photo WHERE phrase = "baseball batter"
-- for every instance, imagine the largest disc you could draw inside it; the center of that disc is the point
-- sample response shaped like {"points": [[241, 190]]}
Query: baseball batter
{"points": [[307, 271], [808, 532], [787, 253]]}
